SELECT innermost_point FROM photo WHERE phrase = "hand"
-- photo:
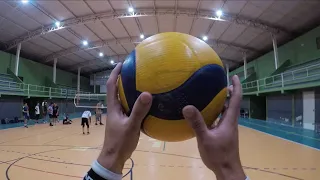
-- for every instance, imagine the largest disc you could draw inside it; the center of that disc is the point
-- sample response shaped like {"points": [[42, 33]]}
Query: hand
{"points": [[122, 132], [219, 145]]}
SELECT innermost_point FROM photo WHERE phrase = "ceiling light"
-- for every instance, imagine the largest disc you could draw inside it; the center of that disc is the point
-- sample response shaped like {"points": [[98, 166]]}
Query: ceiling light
{"points": [[130, 9], [85, 43], [219, 13], [25, 1], [101, 54], [141, 36], [112, 62], [205, 38], [57, 24]]}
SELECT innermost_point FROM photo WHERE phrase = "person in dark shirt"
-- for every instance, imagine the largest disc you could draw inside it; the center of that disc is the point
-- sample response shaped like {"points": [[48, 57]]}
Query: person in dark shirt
{"points": [[218, 146], [50, 112], [26, 115], [55, 113]]}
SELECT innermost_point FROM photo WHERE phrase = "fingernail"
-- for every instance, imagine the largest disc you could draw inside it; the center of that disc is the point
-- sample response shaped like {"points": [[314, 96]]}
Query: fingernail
{"points": [[145, 99], [188, 112]]}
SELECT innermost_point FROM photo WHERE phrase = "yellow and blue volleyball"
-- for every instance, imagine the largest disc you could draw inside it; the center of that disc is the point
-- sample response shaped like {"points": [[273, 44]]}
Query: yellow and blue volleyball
{"points": [[178, 70]]}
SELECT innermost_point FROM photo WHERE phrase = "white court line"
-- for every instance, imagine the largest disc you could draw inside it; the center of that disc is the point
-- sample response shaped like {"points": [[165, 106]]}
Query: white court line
{"points": [[281, 138]]}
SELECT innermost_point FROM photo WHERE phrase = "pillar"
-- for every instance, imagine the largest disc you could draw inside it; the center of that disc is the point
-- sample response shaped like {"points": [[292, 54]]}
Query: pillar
{"points": [[16, 68], [55, 60], [275, 50], [94, 83], [245, 65], [78, 82], [228, 79]]}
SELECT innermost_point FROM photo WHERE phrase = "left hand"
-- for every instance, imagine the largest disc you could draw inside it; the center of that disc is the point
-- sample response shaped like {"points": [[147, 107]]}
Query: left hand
{"points": [[122, 132]]}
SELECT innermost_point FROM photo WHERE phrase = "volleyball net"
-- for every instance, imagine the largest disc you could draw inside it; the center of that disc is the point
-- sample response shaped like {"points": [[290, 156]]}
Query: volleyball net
{"points": [[90, 101]]}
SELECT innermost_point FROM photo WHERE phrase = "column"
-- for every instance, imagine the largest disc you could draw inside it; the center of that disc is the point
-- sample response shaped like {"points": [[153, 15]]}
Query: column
{"points": [[94, 83], [228, 79], [78, 82], [55, 60], [16, 69], [275, 50], [245, 65]]}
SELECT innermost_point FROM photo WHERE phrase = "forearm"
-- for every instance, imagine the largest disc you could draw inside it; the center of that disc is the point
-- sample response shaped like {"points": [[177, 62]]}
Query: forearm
{"points": [[230, 172]]}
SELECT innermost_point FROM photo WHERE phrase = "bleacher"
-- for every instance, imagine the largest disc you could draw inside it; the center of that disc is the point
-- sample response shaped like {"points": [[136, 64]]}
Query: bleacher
{"points": [[9, 86], [293, 77]]}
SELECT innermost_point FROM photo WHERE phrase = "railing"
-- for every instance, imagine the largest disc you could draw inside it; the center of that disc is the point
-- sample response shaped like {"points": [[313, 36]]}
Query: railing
{"points": [[9, 87], [283, 80]]}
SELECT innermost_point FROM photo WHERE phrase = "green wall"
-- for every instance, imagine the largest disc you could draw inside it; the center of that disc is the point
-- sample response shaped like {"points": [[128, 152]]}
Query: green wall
{"points": [[298, 51], [40, 74]]}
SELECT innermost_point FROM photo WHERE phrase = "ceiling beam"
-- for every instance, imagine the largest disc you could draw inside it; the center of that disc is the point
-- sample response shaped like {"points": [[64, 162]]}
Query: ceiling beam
{"points": [[202, 14], [136, 40], [106, 61]]}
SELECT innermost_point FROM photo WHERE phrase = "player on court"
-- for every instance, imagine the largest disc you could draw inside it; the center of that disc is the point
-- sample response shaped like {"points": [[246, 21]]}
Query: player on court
{"points": [[37, 112], [50, 112], [55, 113], [25, 111], [86, 116], [99, 113]]}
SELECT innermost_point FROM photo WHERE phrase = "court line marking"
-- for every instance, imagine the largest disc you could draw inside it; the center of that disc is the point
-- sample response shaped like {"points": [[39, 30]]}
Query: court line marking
{"points": [[288, 132], [281, 138]]}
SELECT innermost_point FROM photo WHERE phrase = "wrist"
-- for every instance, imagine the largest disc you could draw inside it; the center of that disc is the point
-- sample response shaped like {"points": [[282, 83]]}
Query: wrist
{"points": [[111, 161], [230, 171]]}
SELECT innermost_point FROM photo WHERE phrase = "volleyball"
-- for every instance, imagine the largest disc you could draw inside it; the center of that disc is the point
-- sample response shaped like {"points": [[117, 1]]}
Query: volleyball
{"points": [[178, 70]]}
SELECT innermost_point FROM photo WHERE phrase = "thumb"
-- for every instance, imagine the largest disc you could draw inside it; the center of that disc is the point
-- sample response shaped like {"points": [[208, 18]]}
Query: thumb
{"points": [[140, 109], [195, 120]]}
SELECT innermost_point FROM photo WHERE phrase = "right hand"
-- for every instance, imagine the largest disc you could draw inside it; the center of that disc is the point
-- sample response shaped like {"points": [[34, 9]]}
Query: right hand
{"points": [[219, 145]]}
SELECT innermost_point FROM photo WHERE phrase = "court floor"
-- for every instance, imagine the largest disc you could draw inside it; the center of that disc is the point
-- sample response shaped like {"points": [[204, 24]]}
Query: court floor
{"points": [[62, 152]]}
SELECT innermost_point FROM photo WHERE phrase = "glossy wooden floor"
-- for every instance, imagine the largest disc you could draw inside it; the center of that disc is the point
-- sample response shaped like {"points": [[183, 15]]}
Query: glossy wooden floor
{"points": [[62, 152]]}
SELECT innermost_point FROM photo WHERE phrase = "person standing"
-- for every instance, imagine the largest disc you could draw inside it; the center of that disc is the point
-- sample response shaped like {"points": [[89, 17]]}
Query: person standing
{"points": [[37, 112], [98, 113], [44, 110], [86, 116], [25, 111], [54, 113], [50, 112]]}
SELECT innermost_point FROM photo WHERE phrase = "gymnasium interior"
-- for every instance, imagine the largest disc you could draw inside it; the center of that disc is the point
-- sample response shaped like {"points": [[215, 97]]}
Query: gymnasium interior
{"points": [[63, 51]]}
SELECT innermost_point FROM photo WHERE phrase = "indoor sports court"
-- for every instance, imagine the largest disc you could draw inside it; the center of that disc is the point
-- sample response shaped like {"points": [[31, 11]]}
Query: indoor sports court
{"points": [[56, 57]]}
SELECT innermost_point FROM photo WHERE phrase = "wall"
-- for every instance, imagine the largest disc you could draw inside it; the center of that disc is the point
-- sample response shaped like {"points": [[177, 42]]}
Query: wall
{"points": [[299, 50], [279, 108], [39, 74], [10, 107]]}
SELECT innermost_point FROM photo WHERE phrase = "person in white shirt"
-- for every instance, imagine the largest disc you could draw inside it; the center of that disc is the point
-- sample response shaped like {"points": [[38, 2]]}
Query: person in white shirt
{"points": [[37, 112], [86, 116]]}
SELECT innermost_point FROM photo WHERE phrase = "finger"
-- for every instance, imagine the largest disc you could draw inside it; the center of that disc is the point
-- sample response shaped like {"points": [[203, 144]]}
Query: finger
{"points": [[230, 89], [195, 120], [230, 117], [140, 109], [112, 98]]}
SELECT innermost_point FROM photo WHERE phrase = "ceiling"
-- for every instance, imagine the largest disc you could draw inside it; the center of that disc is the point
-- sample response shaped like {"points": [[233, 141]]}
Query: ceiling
{"points": [[245, 27]]}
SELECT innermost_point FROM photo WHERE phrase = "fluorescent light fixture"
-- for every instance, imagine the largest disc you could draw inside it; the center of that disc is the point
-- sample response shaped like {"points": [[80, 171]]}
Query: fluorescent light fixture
{"points": [[57, 24], [219, 13], [130, 9], [205, 38]]}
